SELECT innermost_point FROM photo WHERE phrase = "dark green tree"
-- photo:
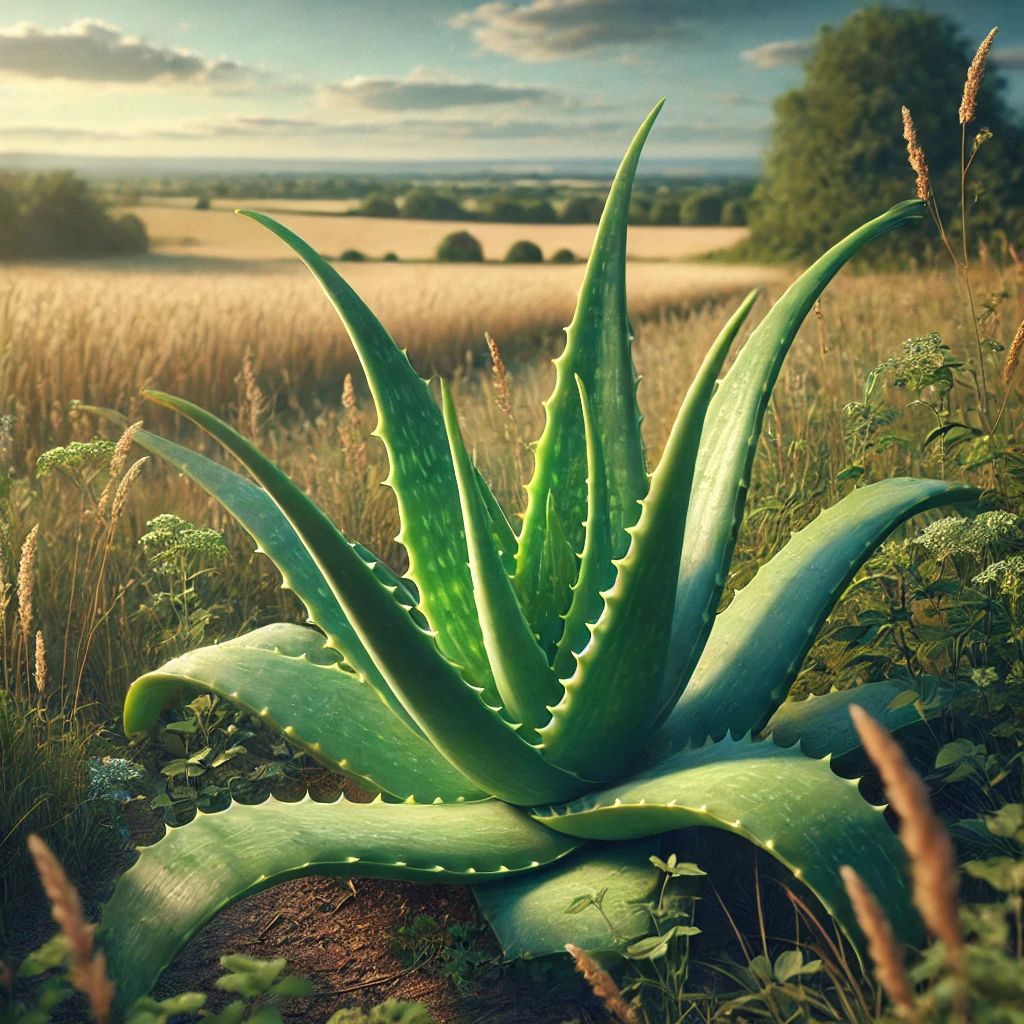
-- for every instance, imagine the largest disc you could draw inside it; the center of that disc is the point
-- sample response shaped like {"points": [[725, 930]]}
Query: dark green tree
{"points": [[378, 204], [837, 155], [426, 204], [524, 251], [460, 247]]}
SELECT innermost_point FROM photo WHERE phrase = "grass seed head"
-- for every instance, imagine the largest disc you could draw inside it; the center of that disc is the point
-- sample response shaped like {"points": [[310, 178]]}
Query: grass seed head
{"points": [[117, 464], [40, 662], [603, 985], [932, 861], [885, 952], [1013, 356], [976, 72], [916, 156], [88, 971], [27, 580], [121, 497]]}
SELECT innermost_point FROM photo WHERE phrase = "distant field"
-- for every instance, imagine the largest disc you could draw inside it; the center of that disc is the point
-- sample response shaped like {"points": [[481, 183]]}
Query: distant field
{"points": [[219, 234]]}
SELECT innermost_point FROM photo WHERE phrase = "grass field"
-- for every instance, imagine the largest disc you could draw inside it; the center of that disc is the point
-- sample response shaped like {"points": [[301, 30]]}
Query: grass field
{"points": [[178, 230]]}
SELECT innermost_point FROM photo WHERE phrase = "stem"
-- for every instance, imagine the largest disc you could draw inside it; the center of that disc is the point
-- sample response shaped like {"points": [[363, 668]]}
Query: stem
{"points": [[983, 390]]}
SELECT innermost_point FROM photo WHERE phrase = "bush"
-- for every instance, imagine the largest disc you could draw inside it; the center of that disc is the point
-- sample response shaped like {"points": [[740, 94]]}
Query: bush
{"points": [[352, 256], [583, 210], [203, 203], [524, 252], [639, 210], [510, 210], [564, 256], [665, 211], [378, 204], [54, 215], [426, 204], [460, 247], [734, 213], [391, 257], [701, 208]]}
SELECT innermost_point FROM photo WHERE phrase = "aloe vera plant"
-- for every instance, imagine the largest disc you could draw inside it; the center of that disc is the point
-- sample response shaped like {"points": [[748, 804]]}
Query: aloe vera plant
{"points": [[536, 709]]}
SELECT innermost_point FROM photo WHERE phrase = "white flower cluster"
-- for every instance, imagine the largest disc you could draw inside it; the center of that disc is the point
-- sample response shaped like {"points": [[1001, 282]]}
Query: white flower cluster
{"points": [[915, 367], [77, 455], [1007, 575], [171, 538], [955, 535]]}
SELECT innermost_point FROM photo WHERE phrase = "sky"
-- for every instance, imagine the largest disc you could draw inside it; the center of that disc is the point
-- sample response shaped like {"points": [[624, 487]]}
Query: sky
{"points": [[418, 80]]}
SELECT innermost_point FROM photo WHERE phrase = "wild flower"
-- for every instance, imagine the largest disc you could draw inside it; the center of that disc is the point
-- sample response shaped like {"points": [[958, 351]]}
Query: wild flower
{"points": [[75, 456], [109, 778], [117, 464], [955, 535], [27, 580], [918, 364], [171, 539], [1007, 575], [1013, 356]]}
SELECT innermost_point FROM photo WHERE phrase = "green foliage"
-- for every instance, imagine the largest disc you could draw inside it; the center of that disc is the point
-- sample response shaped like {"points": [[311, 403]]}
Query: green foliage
{"points": [[701, 208], [54, 215], [495, 677], [352, 256], [563, 256], [514, 210], [378, 204], [836, 153], [392, 1011], [463, 953], [524, 252], [582, 209], [665, 211], [460, 247], [426, 204]]}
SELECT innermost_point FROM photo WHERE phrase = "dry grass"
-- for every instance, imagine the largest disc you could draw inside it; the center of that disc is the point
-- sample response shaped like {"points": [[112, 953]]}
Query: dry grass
{"points": [[219, 233], [101, 335]]}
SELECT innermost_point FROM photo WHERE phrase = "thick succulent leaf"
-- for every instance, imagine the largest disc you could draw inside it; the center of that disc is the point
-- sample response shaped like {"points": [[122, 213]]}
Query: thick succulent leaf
{"points": [[822, 725], [410, 425], [194, 872], [284, 675], [613, 698], [597, 349], [729, 441], [759, 642], [537, 914], [521, 672], [559, 568], [452, 713], [794, 807], [501, 529], [597, 572], [264, 522]]}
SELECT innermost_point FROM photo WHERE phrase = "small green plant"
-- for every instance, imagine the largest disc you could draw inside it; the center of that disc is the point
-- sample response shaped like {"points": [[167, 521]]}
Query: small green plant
{"points": [[460, 247], [524, 252], [539, 708], [392, 1011], [456, 951]]}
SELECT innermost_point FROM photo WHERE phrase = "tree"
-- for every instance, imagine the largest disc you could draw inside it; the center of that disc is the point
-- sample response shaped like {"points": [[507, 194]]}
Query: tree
{"points": [[460, 247], [701, 208], [583, 210], [665, 211], [426, 204], [837, 155], [378, 204], [524, 252]]}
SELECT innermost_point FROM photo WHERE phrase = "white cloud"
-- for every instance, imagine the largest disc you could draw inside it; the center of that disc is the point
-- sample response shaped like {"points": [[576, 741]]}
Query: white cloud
{"points": [[426, 89], [94, 51], [1009, 58], [780, 53], [548, 30]]}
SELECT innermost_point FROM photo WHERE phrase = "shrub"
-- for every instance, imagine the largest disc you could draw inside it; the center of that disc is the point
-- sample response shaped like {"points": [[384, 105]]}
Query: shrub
{"points": [[391, 257], [55, 215], [665, 211], [701, 208], [379, 204], [524, 252], [734, 213], [426, 204], [203, 203], [460, 247], [583, 210], [352, 256], [510, 210], [564, 256]]}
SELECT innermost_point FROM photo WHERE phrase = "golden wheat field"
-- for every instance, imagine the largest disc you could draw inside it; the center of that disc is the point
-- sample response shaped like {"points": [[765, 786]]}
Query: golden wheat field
{"points": [[101, 333], [219, 233]]}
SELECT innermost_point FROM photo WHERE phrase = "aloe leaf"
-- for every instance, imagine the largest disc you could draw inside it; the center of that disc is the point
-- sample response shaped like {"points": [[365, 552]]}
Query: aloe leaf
{"points": [[156, 906], [822, 725], [729, 441], [597, 349], [263, 521], [284, 675], [452, 713], [504, 536], [596, 569], [537, 914], [525, 681], [410, 425], [558, 570], [615, 694], [796, 808], [759, 642]]}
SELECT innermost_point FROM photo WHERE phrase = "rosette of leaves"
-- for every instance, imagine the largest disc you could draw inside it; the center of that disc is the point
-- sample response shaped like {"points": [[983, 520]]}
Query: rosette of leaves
{"points": [[536, 708]]}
